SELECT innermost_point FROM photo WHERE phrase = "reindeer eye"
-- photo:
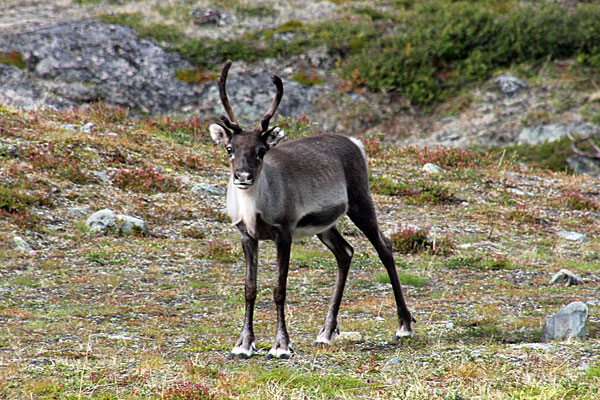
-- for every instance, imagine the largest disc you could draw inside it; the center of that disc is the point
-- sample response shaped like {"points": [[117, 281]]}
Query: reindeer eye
{"points": [[229, 149]]}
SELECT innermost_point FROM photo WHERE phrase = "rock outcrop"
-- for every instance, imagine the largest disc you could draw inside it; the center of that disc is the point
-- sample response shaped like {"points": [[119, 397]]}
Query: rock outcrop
{"points": [[76, 63]]}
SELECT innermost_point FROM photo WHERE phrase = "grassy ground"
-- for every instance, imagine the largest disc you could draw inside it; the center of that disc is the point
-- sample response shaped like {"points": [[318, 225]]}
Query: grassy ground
{"points": [[103, 316]]}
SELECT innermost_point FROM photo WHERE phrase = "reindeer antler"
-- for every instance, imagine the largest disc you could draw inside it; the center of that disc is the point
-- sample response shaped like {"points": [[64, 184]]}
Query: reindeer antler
{"points": [[582, 153], [230, 120], [264, 122]]}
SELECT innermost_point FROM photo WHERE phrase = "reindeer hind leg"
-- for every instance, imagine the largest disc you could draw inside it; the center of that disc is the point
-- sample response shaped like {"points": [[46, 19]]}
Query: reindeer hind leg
{"points": [[343, 252]]}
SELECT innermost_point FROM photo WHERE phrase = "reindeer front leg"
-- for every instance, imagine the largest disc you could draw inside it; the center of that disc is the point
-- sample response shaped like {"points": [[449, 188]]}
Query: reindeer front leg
{"points": [[281, 347], [246, 345]]}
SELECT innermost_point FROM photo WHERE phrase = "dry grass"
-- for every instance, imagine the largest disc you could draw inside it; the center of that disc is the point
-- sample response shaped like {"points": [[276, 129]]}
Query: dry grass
{"points": [[92, 316]]}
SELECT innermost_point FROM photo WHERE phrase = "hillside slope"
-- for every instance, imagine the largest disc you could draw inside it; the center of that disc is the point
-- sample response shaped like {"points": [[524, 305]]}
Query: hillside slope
{"points": [[415, 72], [109, 315]]}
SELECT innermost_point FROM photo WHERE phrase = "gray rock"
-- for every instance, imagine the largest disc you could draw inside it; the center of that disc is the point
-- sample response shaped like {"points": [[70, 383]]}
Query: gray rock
{"points": [[510, 85], [566, 277], [101, 220], [539, 134], [8, 149], [573, 236], [101, 176], [208, 188], [79, 62], [568, 323], [68, 127], [584, 165], [208, 16], [87, 128], [21, 244], [534, 346], [393, 361], [74, 63], [131, 225], [77, 212], [433, 169]]}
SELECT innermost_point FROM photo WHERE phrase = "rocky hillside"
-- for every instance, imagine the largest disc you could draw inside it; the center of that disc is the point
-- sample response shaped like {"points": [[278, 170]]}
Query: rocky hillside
{"points": [[161, 60], [120, 276]]}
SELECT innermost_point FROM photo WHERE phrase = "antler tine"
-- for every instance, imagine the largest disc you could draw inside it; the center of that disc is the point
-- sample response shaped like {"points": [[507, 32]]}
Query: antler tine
{"points": [[230, 120], [581, 152], [264, 123]]}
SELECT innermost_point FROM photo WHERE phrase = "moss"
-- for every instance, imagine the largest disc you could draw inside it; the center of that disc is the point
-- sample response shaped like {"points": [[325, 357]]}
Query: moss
{"points": [[551, 155], [307, 79], [14, 58], [195, 75]]}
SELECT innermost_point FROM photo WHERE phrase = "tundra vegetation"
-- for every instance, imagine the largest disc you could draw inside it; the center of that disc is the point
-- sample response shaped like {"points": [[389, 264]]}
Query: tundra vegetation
{"points": [[100, 316]]}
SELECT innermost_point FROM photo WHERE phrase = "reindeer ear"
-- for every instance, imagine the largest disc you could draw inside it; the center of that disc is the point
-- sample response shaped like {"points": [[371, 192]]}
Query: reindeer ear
{"points": [[219, 134], [273, 136]]}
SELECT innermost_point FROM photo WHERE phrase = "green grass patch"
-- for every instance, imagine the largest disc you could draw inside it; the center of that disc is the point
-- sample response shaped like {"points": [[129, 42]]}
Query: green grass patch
{"points": [[550, 155], [404, 278], [446, 44], [330, 386], [307, 78], [14, 58], [478, 262], [309, 257], [388, 187]]}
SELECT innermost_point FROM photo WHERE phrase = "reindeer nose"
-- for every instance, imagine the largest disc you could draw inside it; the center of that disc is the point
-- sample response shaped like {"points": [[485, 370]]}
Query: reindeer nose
{"points": [[243, 176]]}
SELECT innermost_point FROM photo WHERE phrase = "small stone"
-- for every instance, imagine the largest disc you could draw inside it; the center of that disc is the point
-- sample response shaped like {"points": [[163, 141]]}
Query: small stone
{"points": [[518, 192], [131, 225], [207, 188], [8, 149], [450, 325], [101, 176], [568, 323], [534, 346], [69, 127], [120, 337], [350, 336], [566, 277], [510, 85], [393, 361], [101, 220], [21, 244], [573, 236], [432, 168], [87, 128], [77, 212]]}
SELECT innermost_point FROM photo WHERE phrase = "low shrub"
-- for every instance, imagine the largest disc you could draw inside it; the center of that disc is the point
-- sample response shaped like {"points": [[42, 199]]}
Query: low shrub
{"points": [[14, 58], [145, 180], [409, 240], [446, 44], [186, 391], [220, 251]]}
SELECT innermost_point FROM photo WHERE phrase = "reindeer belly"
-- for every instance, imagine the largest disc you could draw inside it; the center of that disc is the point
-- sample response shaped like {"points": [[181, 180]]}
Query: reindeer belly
{"points": [[319, 221]]}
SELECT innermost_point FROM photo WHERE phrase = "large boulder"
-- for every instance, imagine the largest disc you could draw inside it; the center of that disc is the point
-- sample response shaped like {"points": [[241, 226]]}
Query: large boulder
{"points": [[568, 323], [74, 63], [77, 62]]}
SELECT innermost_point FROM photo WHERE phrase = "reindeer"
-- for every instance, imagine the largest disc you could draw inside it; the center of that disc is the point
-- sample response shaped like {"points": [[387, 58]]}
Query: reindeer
{"points": [[295, 189]]}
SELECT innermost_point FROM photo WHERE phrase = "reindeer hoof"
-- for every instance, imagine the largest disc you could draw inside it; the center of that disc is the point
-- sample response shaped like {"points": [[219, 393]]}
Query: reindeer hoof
{"points": [[280, 354], [239, 356], [241, 353]]}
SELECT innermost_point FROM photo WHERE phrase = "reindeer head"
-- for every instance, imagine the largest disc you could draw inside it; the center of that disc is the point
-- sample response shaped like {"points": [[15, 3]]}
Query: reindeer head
{"points": [[246, 148]]}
